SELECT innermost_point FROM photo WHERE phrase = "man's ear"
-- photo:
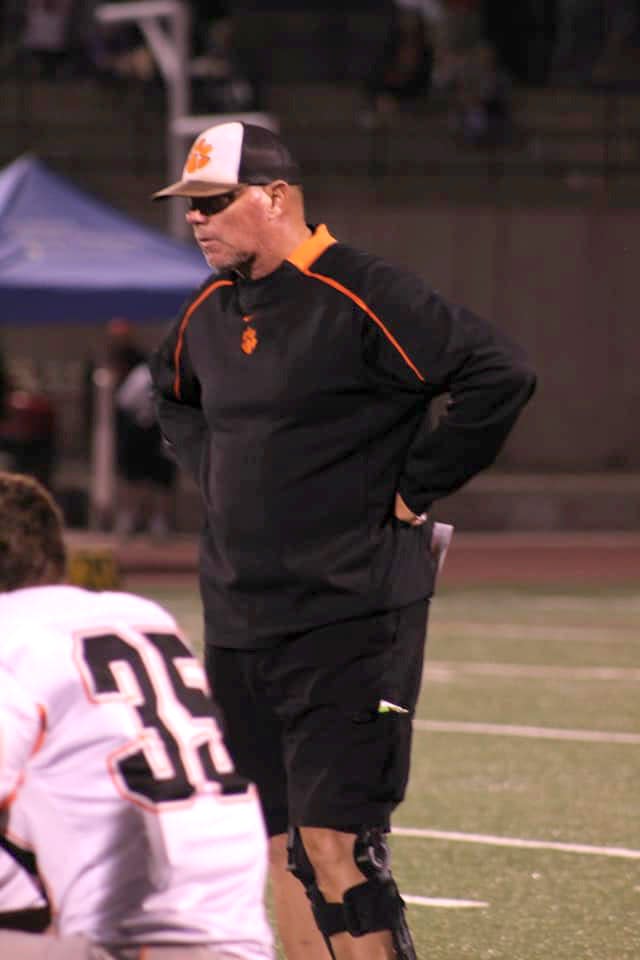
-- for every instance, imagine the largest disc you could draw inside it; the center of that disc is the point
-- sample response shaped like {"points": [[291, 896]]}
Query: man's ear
{"points": [[278, 192]]}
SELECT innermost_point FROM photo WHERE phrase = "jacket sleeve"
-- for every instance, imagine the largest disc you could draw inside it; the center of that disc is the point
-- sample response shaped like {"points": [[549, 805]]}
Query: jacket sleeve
{"points": [[176, 393], [426, 344]]}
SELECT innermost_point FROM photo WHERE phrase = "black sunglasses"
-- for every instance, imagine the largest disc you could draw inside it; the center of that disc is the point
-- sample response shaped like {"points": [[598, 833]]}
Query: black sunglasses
{"points": [[209, 206]]}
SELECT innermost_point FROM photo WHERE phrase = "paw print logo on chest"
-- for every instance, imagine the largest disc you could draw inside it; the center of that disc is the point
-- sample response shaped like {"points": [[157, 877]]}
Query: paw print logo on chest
{"points": [[249, 340]]}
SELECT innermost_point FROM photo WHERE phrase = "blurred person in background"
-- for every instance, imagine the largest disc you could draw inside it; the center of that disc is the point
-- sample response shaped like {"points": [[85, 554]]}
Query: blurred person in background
{"points": [[115, 787], [146, 474], [403, 70], [580, 37], [221, 83], [45, 38], [480, 108], [523, 36], [119, 52], [28, 425], [295, 388], [619, 62], [443, 44], [10, 35]]}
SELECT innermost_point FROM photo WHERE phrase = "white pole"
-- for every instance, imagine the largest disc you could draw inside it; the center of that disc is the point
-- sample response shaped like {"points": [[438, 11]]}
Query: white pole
{"points": [[103, 480], [171, 51]]}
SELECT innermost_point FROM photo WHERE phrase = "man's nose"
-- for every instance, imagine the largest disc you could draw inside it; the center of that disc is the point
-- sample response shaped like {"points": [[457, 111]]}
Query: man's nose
{"points": [[195, 216]]}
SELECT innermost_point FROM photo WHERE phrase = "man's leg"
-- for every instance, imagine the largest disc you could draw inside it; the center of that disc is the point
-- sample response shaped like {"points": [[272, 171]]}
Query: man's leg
{"points": [[348, 766], [256, 749], [366, 904], [314, 729], [331, 855], [297, 928]]}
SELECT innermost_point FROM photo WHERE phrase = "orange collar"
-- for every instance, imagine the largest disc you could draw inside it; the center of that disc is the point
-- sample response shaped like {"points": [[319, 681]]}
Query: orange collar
{"points": [[310, 249]]}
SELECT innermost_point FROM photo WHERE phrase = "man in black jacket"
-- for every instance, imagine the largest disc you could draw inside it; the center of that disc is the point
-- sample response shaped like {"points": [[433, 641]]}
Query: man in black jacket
{"points": [[295, 389]]}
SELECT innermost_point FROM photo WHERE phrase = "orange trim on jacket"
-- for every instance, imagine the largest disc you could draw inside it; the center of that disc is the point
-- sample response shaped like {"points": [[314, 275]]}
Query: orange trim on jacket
{"points": [[308, 252], [177, 353], [376, 319], [310, 249]]}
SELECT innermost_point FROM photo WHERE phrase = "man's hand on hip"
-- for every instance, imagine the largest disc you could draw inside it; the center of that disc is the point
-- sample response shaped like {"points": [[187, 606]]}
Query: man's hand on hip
{"points": [[402, 512]]}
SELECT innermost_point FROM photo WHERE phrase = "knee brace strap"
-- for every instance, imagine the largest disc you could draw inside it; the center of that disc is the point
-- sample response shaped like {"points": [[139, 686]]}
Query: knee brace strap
{"points": [[329, 917], [371, 906], [377, 905], [298, 862]]}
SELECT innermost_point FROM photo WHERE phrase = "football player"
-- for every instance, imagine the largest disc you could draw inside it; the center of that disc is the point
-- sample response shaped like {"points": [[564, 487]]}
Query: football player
{"points": [[114, 779]]}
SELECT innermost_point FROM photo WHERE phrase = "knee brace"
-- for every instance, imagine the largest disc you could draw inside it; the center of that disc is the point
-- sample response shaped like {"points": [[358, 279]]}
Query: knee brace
{"points": [[376, 904], [368, 907]]}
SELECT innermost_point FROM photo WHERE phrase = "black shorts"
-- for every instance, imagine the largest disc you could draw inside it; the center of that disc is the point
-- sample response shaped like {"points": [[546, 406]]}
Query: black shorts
{"points": [[304, 719]]}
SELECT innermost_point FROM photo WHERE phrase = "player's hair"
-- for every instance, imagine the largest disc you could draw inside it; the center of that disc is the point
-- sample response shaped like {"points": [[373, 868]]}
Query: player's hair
{"points": [[32, 551]]}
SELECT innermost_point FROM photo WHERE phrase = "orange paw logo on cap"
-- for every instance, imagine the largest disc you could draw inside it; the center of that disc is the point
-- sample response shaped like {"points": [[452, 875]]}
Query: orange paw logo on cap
{"points": [[199, 156]]}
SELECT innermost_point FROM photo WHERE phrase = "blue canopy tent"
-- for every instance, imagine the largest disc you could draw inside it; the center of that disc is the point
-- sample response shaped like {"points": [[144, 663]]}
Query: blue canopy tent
{"points": [[65, 257]]}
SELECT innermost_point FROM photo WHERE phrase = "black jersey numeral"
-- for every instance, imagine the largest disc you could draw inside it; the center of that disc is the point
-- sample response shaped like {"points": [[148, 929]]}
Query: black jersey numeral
{"points": [[179, 745]]}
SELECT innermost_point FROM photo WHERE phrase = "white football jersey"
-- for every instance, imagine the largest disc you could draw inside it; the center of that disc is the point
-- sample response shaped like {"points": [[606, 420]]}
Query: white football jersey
{"points": [[117, 778], [17, 890]]}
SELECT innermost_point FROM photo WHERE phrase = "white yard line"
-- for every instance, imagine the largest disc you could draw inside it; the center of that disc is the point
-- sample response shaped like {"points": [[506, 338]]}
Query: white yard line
{"points": [[537, 733], [442, 902], [582, 848], [440, 669]]}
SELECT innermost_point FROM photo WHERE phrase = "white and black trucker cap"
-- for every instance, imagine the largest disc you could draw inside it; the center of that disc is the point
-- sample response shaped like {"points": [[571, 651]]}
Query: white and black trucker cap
{"points": [[230, 155]]}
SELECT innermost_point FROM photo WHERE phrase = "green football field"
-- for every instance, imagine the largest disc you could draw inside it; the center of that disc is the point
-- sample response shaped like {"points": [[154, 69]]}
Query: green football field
{"points": [[520, 835]]}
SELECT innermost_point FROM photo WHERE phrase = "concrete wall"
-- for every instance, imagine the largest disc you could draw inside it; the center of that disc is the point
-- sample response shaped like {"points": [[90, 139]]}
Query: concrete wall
{"points": [[562, 282]]}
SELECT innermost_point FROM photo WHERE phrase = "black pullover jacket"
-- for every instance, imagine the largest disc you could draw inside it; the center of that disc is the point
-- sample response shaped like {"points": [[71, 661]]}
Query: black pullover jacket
{"points": [[300, 404]]}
